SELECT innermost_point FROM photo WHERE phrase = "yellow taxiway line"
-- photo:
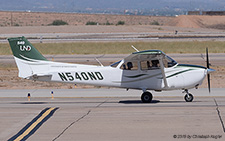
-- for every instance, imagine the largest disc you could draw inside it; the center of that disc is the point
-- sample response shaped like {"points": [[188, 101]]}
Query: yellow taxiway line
{"points": [[34, 124]]}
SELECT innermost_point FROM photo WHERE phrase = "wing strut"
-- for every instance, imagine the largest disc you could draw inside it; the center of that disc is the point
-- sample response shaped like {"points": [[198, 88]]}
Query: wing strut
{"points": [[163, 72]]}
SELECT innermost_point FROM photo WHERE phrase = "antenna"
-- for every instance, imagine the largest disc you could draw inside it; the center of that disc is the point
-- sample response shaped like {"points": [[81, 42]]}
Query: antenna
{"points": [[134, 48]]}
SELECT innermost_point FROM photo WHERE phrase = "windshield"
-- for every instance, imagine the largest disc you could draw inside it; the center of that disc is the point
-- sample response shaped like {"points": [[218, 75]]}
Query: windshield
{"points": [[169, 61]]}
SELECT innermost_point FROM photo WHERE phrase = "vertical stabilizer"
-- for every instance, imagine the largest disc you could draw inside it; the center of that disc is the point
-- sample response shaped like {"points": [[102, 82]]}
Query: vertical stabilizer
{"points": [[26, 56], [23, 49]]}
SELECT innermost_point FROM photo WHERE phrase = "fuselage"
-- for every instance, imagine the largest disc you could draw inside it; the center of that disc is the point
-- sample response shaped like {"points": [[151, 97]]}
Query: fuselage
{"points": [[179, 76]]}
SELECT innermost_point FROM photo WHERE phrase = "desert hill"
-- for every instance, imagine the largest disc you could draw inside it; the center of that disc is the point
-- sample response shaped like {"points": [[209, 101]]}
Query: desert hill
{"points": [[44, 19], [198, 21]]}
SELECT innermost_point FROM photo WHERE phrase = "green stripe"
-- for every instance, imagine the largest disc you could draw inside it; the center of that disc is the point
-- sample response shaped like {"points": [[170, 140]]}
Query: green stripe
{"points": [[135, 76], [188, 65], [179, 73], [137, 79], [151, 76]]}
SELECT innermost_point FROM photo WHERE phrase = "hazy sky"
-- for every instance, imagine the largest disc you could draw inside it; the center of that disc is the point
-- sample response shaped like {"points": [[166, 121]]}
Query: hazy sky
{"points": [[118, 4]]}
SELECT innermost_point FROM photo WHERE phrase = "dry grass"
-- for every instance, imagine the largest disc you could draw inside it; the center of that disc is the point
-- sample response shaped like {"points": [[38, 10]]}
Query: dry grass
{"points": [[123, 47]]}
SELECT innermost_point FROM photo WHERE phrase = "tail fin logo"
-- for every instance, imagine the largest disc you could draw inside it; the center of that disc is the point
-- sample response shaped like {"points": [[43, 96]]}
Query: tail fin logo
{"points": [[23, 47]]}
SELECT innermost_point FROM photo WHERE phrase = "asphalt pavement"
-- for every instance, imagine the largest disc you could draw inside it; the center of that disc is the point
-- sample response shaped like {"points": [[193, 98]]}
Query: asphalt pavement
{"points": [[110, 114]]}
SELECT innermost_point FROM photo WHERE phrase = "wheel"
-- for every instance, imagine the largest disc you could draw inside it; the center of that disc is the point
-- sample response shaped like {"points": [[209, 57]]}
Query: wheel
{"points": [[189, 97], [146, 97]]}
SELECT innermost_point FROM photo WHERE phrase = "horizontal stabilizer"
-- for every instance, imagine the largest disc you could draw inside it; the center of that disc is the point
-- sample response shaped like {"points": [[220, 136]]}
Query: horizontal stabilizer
{"points": [[41, 77]]}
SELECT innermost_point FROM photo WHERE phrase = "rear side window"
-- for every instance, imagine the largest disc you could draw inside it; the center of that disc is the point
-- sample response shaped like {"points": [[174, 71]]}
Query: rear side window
{"points": [[129, 66]]}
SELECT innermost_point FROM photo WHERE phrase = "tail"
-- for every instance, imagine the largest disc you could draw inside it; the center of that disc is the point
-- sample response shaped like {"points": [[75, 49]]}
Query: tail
{"points": [[28, 59]]}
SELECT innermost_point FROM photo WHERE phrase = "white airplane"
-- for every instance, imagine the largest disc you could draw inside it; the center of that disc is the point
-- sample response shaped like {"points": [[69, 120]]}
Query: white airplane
{"points": [[142, 70]]}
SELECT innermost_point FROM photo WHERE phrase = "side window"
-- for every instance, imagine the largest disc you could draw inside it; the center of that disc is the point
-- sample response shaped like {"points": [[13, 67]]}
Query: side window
{"points": [[165, 63], [145, 65], [155, 64], [129, 66], [151, 64]]}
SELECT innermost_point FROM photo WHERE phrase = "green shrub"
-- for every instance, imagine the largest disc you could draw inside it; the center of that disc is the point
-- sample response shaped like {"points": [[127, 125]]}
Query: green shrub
{"points": [[108, 23], [155, 23], [58, 22], [120, 23], [91, 23], [16, 24]]}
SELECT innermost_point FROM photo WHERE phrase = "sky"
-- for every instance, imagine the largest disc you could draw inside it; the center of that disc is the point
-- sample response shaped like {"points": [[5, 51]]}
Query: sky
{"points": [[68, 5]]}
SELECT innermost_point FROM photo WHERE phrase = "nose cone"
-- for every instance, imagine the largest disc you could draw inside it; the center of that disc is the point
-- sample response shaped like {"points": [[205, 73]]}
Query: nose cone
{"points": [[210, 71]]}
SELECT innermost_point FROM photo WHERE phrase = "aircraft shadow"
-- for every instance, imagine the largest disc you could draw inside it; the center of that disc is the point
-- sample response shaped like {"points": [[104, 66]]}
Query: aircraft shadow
{"points": [[137, 102], [32, 103], [153, 102]]}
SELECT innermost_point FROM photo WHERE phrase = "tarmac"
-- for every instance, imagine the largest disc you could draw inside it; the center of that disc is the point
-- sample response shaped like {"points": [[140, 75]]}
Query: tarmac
{"points": [[110, 114]]}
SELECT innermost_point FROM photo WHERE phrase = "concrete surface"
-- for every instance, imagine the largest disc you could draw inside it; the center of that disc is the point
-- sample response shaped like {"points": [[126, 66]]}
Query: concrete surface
{"points": [[105, 92], [114, 114]]}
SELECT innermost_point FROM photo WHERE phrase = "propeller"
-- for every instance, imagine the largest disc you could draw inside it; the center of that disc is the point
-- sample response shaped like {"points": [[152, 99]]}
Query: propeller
{"points": [[207, 64], [208, 69]]}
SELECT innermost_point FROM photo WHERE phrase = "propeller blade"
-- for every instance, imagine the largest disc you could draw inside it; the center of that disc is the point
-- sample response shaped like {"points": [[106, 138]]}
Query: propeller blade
{"points": [[207, 58], [208, 76], [207, 64]]}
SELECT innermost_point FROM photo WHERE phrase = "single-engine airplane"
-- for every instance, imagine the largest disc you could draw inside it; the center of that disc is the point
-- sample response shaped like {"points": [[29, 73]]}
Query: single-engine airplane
{"points": [[142, 70]]}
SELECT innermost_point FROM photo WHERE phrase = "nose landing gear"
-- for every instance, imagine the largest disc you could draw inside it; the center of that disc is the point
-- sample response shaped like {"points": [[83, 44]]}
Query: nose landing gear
{"points": [[188, 97]]}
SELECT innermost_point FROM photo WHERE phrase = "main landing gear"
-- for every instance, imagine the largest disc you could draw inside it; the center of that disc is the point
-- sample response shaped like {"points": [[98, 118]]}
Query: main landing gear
{"points": [[146, 97], [188, 97]]}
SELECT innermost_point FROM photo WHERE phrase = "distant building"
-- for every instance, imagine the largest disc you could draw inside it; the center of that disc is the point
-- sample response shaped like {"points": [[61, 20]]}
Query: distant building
{"points": [[206, 13], [213, 12], [193, 13]]}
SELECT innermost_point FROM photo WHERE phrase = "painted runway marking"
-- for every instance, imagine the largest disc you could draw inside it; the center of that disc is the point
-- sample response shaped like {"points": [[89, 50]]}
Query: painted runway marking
{"points": [[32, 126]]}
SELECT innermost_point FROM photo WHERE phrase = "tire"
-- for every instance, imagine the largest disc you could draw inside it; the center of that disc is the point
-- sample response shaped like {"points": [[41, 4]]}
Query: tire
{"points": [[189, 97], [146, 97]]}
